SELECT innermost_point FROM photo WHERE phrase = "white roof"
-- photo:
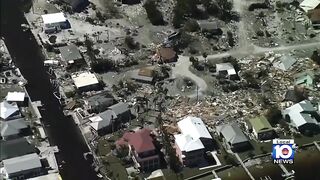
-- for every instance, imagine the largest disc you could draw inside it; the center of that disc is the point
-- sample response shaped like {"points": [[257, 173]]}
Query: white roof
{"points": [[21, 163], [102, 120], [97, 123], [226, 67], [194, 127], [187, 143], [42, 133], [300, 113], [52, 176], [156, 174], [15, 96], [307, 5], [6, 109], [84, 79], [53, 18]]}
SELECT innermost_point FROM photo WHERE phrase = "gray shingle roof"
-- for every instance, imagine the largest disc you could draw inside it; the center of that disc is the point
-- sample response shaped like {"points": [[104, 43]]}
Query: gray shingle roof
{"points": [[15, 148], [232, 133], [70, 53], [301, 113], [103, 119], [22, 163], [99, 100], [207, 25], [120, 108], [12, 127]]}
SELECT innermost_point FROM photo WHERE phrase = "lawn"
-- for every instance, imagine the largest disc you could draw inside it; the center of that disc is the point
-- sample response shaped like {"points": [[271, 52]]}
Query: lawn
{"points": [[258, 149], [114, 168]]}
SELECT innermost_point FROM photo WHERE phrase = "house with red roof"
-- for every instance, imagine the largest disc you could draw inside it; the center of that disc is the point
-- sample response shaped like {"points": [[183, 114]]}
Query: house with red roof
{"points": [[142, 148]]}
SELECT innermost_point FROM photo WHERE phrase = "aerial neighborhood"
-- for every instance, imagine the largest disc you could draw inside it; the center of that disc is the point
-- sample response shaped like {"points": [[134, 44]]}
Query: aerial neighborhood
{"points": [[159, 90]]}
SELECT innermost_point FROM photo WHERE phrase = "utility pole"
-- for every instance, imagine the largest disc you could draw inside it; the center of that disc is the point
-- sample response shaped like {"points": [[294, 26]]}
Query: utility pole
{"points": [[197, 93]]}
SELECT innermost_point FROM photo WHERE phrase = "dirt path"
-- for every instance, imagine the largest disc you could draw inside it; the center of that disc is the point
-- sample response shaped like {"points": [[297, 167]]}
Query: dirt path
{"points": [[182, 69], [245, 47]]}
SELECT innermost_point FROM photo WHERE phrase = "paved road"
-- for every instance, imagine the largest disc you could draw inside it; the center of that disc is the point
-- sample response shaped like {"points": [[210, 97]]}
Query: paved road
{"points": [[182, 69], [244, 48]]}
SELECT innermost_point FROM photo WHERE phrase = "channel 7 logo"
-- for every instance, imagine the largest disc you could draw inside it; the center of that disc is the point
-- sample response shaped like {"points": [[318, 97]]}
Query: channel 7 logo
{"points": [[283, 151]]}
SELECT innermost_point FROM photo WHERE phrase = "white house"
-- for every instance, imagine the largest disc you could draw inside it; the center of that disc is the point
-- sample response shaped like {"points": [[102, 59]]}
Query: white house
{"points": [[15, 96], [54, 22], [193, 141], [85, 81], [307, 5], [103, 120], [8, 111], [22, 167], [226, 69], [303, 116]]}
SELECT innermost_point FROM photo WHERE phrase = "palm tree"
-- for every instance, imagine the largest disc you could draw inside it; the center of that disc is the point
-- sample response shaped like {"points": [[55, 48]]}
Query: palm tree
{"points": [[306, 26], [205, 55]]}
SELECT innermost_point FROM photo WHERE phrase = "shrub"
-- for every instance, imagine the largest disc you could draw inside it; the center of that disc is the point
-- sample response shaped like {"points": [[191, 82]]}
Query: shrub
{"points": [[191, 25], [316, 57], [131, 44], [273, 115]]}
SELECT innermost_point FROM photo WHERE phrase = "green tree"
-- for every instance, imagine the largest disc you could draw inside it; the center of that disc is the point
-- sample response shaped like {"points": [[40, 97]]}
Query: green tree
{"points": [[122, 151], [316, 57], [104, 65], [154, 15], [273, 115], [174, 162]]}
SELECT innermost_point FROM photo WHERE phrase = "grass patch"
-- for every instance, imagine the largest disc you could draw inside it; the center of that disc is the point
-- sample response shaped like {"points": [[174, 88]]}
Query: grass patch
{"points": [[113, 165]]}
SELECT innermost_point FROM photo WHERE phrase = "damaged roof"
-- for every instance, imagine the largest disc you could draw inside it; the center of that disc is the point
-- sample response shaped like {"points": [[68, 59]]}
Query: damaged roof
{"points": [[232, 133]]}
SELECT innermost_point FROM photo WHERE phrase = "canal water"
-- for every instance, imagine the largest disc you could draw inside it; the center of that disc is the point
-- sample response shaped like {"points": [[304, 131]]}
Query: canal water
{"points": [[62, 131]]}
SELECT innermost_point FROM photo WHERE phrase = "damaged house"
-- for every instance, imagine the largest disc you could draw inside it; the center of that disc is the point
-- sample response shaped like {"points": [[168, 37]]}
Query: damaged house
{"points": [[226, 70], [193, 142], [234, 136], [302, 116], [70, 56], [141, 148], [54, 22]]}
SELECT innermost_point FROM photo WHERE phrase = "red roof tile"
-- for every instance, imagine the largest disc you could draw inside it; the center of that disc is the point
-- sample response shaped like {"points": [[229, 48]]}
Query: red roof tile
{"points": [[140, 140]]}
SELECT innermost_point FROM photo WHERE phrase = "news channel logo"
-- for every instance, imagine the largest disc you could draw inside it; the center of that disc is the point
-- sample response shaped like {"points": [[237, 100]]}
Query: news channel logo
{"points": [[283, 151]]}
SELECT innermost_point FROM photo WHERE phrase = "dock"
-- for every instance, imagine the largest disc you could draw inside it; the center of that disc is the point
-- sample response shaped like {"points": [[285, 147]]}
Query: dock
{"points": [[286, 173], [317, 145], [244, 167]]}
